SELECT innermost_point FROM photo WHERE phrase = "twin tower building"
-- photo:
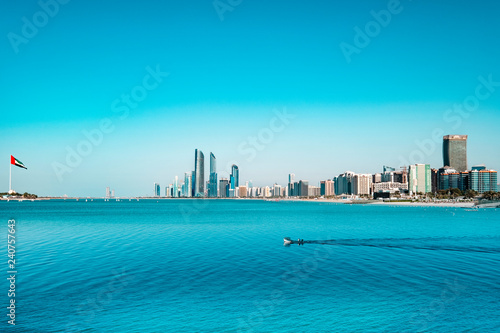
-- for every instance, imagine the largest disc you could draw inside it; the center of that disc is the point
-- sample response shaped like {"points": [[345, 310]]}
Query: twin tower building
{"points": [[194, 185]]}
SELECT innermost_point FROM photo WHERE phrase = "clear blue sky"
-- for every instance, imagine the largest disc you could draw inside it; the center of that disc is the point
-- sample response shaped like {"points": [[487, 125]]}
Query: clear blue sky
{"points": [[226, 78]]}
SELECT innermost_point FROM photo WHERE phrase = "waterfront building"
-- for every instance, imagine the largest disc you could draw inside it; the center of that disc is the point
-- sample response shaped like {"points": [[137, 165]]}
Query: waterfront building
{"points": [[108, 193], [361, 184], [434, 180], [188, 176], [388, 169], [199, 173], [401, 176], [388, 174], [463, 181], [212, 183], [112, 193], [482, 180], [455, 152], [303, 188], [448, 178], [223, 188], [175, 189], [419, 178], [327, 188], [242, 191], [291, 180], [377, 178], [156, 192], [391, 187], [313, 191], [276, 192], [343, 183], [235, 177], [480, 167]]}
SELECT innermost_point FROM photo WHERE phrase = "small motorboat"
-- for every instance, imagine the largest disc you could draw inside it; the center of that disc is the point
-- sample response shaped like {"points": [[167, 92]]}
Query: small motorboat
{"points": [[288, 241]]}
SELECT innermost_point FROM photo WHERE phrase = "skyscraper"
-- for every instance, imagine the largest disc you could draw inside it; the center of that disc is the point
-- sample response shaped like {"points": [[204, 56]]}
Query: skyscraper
{"points": [[188, 184], [291, 190], [223, 188], [199, 172], [361, 184], [235, 177], [212, 184], [176, 188], [420, 178], [303, 188], [455, 152], [343, 183], [156, 190]]}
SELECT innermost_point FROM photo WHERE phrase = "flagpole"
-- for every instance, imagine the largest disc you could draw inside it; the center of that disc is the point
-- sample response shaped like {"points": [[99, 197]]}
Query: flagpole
{"points": [[10, 179]]}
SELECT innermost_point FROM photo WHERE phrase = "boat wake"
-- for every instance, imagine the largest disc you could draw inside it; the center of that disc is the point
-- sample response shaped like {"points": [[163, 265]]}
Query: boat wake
{"points": [[433, 244]]}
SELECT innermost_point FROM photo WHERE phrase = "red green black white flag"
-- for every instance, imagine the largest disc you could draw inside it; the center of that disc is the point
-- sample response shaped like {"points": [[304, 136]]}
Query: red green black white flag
{"points": [[16, 162]]}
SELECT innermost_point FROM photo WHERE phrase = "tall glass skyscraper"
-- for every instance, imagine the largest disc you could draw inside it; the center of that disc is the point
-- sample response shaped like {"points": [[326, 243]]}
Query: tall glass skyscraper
{"points": [[235, 177], [176, 187], [199, 172], [188, 184], [455, 152], [212, 182]]}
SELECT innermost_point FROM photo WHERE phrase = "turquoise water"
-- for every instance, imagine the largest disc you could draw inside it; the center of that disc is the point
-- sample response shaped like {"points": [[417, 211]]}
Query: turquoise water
{"points": [[220, 266]]}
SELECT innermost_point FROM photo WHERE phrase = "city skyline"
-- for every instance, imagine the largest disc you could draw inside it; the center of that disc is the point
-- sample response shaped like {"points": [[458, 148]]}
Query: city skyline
{"points": [[418, 178], [91, 104]]}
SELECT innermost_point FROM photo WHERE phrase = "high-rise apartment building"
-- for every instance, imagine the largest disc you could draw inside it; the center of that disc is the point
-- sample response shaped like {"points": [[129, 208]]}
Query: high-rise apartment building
{"points": [[188, 185], [455, 152], [448, 178], [482, 180], [362, 184], [291, 190], [175, 190], [343, 183], [327, 188], [156, 190], [212, 182], [303, 188], [199, 171], [419, 179], [235, 177], [223, 188]]}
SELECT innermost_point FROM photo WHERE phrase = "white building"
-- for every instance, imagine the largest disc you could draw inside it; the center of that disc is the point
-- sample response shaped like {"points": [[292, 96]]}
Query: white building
{"points": [[391, 187], [362, 184], [419, 178], [313, 191]]}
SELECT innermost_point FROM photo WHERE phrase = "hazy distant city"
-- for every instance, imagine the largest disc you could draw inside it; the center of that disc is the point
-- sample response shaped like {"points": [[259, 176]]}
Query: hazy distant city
{"points": [[403, 181]]}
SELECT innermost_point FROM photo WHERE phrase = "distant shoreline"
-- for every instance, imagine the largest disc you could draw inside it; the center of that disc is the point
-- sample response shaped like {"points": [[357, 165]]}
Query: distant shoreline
{"points": [[337, 201]]}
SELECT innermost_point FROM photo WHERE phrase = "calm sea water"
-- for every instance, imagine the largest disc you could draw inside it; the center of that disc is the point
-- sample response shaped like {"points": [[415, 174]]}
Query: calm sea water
{"points": [[220, 266]]}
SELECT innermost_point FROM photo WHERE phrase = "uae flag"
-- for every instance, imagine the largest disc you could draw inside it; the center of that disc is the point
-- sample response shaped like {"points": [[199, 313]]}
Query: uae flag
{"points": [[16, 162]]}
